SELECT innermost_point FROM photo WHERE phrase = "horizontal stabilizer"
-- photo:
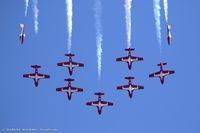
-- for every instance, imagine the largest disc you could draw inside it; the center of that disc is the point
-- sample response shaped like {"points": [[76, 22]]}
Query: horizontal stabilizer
{"points": [[129, 49], [69, 79], [162, 64], [36, 66], [70, 55], [99, 93], [129, 78]]}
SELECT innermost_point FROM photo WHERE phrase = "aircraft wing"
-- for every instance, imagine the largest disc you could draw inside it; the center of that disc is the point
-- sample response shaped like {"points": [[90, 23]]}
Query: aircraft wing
{"points": [[63, 64], [156, 74], [94, 103], [43, 76], [77, 89], [105, 103], [61, 88], [123, 87], [122, 58], [28, 75], [136, 58], [168, 72], [78, 64], [138, 86]]}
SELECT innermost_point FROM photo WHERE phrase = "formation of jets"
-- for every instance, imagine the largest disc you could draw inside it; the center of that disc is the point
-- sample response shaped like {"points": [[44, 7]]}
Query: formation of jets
{"points": [[70, 64], [69, 89], [129, 59], [36, 76]]}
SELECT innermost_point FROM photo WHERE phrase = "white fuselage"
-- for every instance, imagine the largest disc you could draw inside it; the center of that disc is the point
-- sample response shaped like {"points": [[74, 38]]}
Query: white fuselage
{"points": [[169, 35], [69, 90], [99, 105], [37, 77], [130, 88], [129, 60], [70, 65], [161, 74]]}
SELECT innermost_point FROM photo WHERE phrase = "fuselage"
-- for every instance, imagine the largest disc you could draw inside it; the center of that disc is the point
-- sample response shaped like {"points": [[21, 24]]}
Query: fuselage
{"points": [[169, 36], [22, 35], [36, 77]]}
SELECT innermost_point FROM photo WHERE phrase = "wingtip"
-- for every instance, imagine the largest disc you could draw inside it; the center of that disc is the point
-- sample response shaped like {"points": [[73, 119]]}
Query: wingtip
{"points": [[58, 89]]}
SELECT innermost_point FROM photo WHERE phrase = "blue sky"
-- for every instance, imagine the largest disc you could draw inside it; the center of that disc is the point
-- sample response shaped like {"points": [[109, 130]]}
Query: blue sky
{"points": [[172, 107]]}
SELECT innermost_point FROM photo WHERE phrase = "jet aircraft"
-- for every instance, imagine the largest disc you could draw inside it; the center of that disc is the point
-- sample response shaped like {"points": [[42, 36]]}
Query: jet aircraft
{"points": [[70, 64], [69, 89], [162, 73], [129, 58], [169, 36], [99, 103], [36, 76], [130, 87], [22, 34]]}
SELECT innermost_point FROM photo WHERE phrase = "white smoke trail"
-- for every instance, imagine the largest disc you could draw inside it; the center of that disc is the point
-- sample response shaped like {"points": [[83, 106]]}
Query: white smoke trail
{"points": [[127, 6], [35, 13], [99, 36], [156, 6], [69, 13], [165, 3], [26, 6]]}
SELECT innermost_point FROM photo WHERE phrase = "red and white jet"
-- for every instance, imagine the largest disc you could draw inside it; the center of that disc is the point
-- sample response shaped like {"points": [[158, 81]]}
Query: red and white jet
{"points": [[169, 36], [36, 76], [22, 34], [162, 73], [70, 64], [130, 87], [99, 103], [129, 59], [69, 89]]}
